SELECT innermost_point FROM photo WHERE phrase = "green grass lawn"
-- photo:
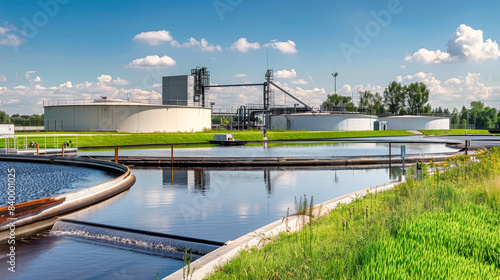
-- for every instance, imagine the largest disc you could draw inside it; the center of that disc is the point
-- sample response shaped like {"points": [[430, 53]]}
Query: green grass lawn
{"points": [[446, 227], [106, 139], [110, 139], [454, 131]]}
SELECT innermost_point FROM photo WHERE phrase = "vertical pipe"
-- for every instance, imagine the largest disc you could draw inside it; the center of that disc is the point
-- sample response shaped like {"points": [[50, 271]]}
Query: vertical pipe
{"points": [[63, 149], [465, 147], [37, 150], [116, 154]]}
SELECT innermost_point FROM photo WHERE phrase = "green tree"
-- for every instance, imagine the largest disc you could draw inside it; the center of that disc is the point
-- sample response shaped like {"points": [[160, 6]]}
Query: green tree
{"points": [[365, 99], [4, 118], [378, 103], [371, 103], [455, 119], [336, 102], [417, 96], [394, 97]]}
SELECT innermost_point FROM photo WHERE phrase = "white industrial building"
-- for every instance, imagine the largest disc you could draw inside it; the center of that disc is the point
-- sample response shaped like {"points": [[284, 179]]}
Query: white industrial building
{"points": [[323, 122], [416, 122], [181, 110]]}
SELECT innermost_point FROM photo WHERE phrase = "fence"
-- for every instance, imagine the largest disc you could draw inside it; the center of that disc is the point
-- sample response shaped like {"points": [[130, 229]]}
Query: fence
{"points": [[24, 143]]}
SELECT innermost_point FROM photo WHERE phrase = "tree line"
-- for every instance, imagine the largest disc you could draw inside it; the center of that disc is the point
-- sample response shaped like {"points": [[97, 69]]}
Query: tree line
{"points": [[396, 99], [21, 120]]}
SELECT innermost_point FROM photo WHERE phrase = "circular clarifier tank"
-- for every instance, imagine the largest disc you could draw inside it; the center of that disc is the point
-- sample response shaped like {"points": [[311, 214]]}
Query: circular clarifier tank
{"points": [[39, 180], [37, 189]]}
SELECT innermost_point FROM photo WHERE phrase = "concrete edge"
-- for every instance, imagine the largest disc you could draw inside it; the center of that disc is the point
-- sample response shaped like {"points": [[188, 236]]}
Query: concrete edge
{"points": [[207, 264]]}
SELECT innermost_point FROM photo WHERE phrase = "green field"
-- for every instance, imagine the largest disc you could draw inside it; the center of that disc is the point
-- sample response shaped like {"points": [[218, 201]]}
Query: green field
{"points": [[446, 227], [111, 139], [454, 131]]}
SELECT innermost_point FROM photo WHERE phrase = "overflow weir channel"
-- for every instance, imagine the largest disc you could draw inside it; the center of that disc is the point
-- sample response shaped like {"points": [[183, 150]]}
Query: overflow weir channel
{"points": [[273, 161], [230, 157], [165, 245]]}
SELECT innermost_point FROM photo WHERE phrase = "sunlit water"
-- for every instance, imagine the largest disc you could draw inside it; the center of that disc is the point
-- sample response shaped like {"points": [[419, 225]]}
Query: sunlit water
{"points": [[217, 205], [325, 150]]}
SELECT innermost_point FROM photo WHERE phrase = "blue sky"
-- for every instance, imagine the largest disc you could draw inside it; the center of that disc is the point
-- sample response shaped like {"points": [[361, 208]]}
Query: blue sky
{"points": [[69, 49]]}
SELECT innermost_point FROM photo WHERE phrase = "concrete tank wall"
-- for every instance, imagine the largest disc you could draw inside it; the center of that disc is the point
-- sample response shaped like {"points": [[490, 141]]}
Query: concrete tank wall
{"points": [[127, 118], [416, 122], [323, 122]]}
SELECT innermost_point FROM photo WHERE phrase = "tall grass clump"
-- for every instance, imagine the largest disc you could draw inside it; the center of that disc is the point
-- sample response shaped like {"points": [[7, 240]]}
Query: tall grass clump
{"points": [[446, 226]]}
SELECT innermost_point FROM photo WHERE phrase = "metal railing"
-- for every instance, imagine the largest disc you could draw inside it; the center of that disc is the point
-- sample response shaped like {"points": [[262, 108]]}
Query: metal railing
{"points": [[73, 102], [13, 143]]}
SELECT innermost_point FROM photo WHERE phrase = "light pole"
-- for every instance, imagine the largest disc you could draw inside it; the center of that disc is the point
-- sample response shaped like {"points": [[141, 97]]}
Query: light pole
{"points": [[335, 80]]}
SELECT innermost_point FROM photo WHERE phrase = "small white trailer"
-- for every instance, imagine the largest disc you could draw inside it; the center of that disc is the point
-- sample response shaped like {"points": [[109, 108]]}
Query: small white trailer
{"points": [[226, 140]]}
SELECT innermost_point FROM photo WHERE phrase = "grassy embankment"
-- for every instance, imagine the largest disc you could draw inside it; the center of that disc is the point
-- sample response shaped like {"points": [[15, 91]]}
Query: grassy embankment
{"points": [[446, 227], [100, 139], [108, 139], [454, 131]]}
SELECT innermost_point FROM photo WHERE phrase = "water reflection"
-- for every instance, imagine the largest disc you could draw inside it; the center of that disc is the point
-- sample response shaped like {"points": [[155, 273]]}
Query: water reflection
{"points": [[268, 181], [196, 180]]}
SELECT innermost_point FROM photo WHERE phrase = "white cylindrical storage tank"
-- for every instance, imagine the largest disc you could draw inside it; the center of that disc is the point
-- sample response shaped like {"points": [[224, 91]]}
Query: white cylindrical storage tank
{"points": [[416, 122], [323, 122], [125, 116]]}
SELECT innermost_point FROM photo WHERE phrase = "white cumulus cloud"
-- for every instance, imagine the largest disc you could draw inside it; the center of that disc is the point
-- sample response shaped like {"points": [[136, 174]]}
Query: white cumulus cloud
{"points": [[152, 61], [457, 91], [104, 78], [119, 81], [242, 75], [466, 44], [242, 45], [285, 74], [288, 47], [27, 75], [154, 38], [300, 82], [202, 45], [3, 78]]}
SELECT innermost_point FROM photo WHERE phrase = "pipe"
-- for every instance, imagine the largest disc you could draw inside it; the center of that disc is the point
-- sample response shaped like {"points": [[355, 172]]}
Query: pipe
{"points": [[116, 154]]}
